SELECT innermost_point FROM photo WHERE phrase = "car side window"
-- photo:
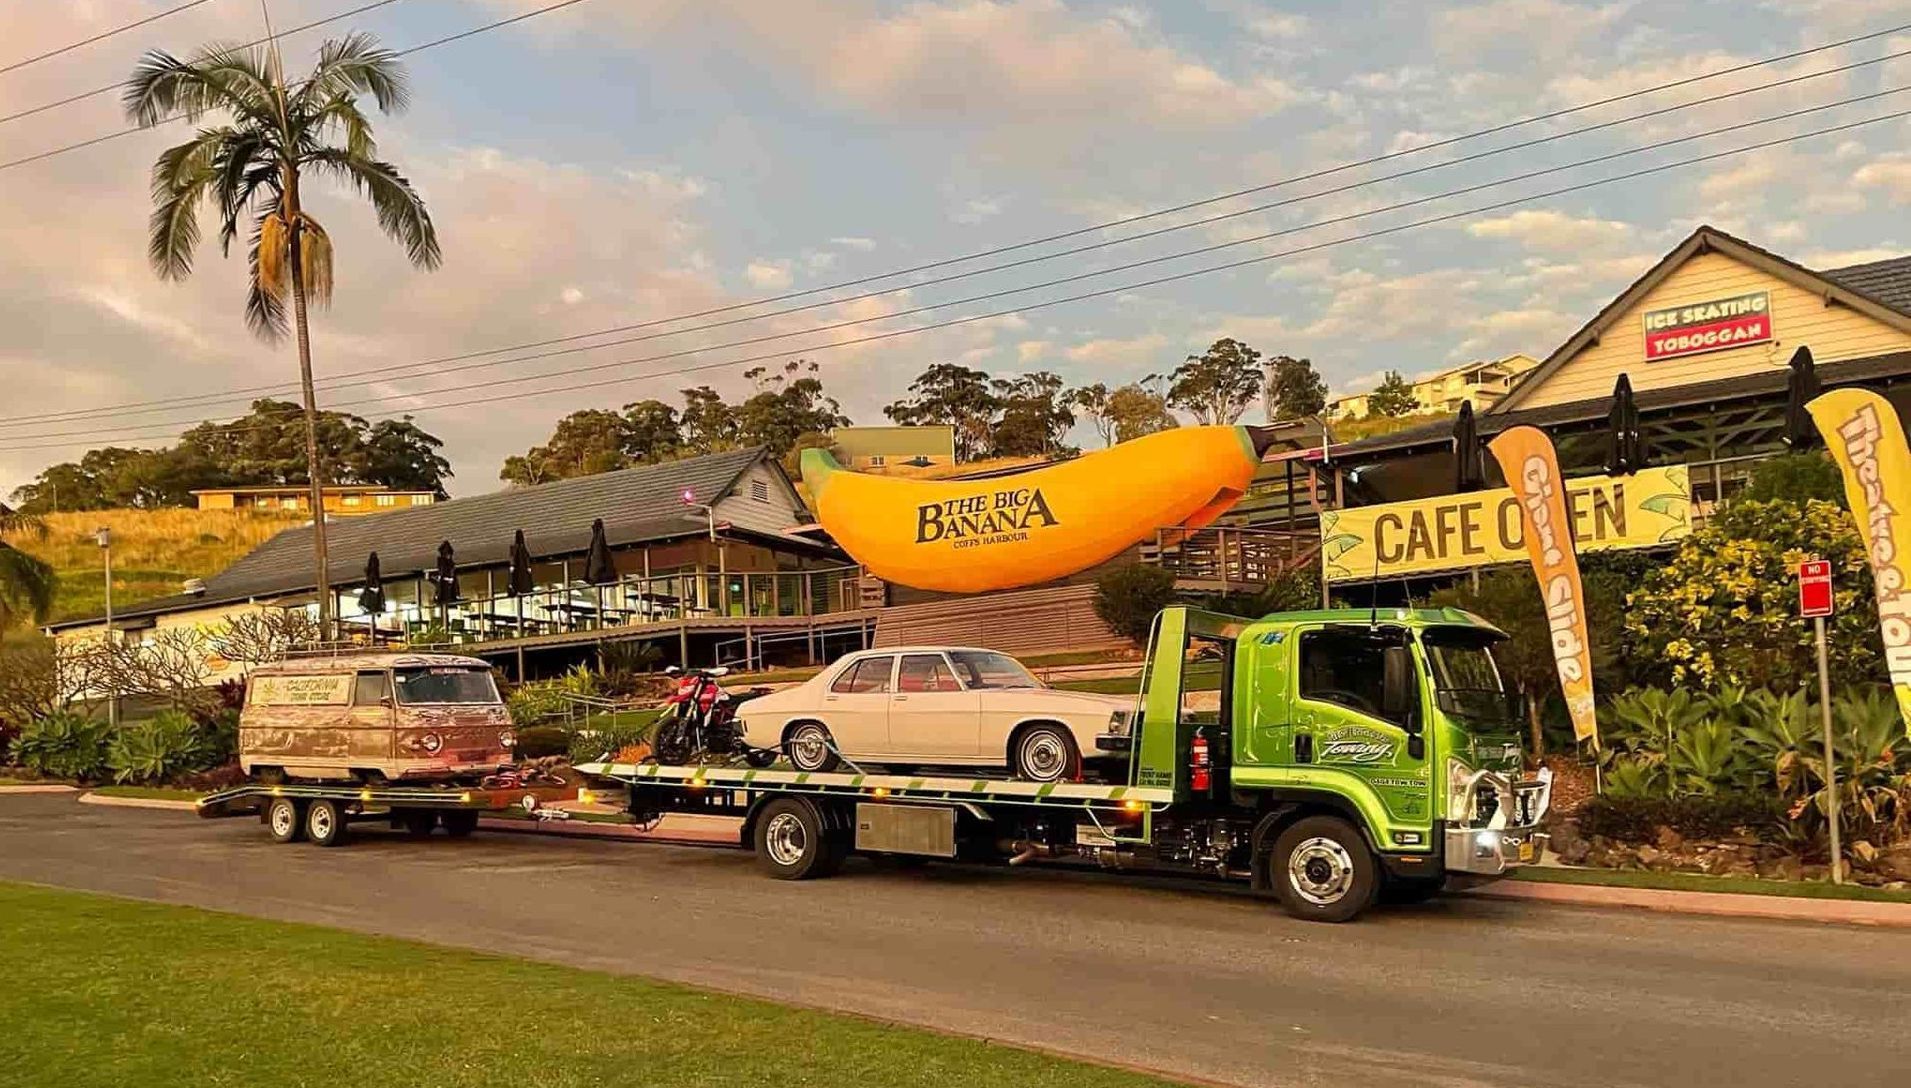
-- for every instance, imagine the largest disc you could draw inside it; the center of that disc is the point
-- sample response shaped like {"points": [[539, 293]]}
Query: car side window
{"points": [[870, 676], [925, 672], [371, 690]]}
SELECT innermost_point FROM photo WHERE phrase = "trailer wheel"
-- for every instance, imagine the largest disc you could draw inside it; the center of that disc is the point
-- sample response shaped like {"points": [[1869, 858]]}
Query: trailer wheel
{"points": [[459, 822], [793, 844], [1323, 870], [325, 822], [418, 822], [809, 747], [284, 821]]}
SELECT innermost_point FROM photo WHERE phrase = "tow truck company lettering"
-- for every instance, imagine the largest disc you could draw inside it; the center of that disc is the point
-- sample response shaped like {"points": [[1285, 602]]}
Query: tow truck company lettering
{"points": [[989, 518], [1708, 326], [1861, 434], [1356, 746]]}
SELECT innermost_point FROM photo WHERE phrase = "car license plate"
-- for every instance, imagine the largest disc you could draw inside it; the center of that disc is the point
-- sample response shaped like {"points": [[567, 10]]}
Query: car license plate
{"points": [[1526, 850]]}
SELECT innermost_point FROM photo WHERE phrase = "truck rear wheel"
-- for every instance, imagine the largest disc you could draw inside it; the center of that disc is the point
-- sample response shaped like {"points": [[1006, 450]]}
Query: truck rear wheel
{"points": [[325, 822], [793, 843], [1323, 870], [284, 821]]}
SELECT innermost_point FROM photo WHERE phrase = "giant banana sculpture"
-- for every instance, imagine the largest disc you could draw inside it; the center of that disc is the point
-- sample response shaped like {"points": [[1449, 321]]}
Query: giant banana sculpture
{"points": [[1033, 525]]}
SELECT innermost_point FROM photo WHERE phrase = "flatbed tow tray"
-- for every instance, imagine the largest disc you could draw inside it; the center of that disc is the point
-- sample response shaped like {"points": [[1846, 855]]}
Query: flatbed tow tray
{"points": [[243, 800], [889, 787]]}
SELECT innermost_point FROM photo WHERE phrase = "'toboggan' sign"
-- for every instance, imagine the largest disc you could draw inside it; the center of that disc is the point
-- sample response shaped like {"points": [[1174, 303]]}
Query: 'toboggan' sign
{"points": [[1709, 326]]}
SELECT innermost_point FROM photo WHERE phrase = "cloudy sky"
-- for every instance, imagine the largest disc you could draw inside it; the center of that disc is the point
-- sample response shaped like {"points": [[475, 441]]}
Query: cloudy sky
{"points": [[625, 161]]}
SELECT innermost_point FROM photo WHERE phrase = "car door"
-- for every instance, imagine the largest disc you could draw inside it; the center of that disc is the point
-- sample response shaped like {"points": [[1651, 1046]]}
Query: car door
{"points": [[369, 721], [932, 716], [856, 705]]}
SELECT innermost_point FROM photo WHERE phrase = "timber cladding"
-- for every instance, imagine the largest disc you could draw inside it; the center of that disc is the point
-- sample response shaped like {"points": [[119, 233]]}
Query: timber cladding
{"points": [[1029, 621]]}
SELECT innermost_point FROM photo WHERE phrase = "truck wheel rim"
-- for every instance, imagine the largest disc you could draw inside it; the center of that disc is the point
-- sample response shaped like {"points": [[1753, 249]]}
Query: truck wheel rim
{"points": [[283, 820], [785, 839], [808, 748], [1044, 756], [321, 822], [1321, 871]]}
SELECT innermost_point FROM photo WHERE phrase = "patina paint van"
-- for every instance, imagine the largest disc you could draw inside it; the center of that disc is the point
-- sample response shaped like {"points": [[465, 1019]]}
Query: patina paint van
{"points": [[374, 717]]}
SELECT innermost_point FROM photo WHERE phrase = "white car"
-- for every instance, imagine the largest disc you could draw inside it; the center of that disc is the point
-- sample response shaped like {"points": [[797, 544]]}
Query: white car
{"points": [[935, 705]]}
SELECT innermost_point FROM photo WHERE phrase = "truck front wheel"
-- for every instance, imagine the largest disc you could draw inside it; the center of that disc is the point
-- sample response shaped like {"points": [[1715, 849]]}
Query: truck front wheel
{"points": [[1323, 870]]}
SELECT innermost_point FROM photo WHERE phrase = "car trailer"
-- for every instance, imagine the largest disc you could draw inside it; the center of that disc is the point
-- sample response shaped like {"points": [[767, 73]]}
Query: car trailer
{"points": [[321, 813]]}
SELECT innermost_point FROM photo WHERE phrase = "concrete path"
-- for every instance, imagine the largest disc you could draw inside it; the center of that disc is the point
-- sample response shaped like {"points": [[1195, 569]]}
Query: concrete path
{"points": [[1197, 980]]}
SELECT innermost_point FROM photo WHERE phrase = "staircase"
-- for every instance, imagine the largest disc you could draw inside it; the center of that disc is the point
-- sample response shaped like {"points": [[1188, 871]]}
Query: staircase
{"points": [[1223, 559]]}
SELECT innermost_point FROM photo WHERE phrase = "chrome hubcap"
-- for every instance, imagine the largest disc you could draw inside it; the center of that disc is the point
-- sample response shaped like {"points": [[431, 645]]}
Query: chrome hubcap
{"points": [[1321, 871], [283, 818], [1044, 756], [785, 839], [808, 748]]}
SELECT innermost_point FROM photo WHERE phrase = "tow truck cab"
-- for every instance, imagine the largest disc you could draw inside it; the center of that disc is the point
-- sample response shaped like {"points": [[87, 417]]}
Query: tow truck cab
{"points": [[1396, 721]]}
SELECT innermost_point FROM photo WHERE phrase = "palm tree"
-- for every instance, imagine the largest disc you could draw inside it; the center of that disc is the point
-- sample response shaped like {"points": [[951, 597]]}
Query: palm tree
{"points": [[26, 584], [252, 168]]}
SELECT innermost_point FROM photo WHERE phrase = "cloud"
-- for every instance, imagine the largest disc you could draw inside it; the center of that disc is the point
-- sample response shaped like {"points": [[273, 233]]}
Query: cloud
{"points": [[975, 211], [768, 275], [1845, 258], [1890, 175], [1549, 231], [863, 245], [1118, 355]]}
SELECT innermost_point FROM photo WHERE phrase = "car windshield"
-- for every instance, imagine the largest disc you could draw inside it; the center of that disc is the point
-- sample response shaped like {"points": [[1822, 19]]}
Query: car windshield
{"points": [[982, 669], [1465, 678], [445, 685]]}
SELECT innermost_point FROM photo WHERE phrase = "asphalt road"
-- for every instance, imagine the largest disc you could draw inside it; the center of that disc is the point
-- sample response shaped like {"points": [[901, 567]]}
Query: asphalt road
{"points": [[1190, 980]]}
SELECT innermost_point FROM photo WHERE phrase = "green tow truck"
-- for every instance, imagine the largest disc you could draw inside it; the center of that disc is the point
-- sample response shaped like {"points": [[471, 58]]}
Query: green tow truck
{"points": [[1348, 755]]}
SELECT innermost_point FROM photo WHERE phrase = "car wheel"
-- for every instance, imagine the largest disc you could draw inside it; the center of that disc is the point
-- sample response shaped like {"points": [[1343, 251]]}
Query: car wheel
{"points": [[1045, 752], [325, 822], [284, 821], [793, 844], [809, 747], [1323, 870]]}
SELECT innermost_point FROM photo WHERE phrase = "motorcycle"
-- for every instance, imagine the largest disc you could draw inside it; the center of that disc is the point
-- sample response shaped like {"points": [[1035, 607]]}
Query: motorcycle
{"points": [[700, 721]]}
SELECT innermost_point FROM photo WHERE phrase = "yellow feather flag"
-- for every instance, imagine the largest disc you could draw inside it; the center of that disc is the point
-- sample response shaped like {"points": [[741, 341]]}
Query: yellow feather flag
{"points": [[1867, 440], [1531, 467]]}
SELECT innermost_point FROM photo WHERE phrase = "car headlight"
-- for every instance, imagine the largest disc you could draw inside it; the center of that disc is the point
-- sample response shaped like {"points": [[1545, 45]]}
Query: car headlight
{"points": [[431, 742], [1118, 723], [507, 739]]}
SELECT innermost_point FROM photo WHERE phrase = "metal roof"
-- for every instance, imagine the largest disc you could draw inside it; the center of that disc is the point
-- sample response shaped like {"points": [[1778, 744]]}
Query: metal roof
{"points": [[351, 662], [1887, 281]]}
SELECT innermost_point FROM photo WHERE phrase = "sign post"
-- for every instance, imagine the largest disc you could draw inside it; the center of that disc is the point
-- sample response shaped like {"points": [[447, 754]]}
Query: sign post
{"points": [[1815, 602]]}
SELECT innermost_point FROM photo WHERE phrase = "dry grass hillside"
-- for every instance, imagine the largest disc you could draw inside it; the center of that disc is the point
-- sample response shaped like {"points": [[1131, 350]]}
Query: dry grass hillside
{"points": [[153, 551]]}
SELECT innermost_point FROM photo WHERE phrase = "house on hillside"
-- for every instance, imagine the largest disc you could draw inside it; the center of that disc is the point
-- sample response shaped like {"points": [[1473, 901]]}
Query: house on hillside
{"points": [[341, 500], [1483, 382], [706, 569], [887, 447]]}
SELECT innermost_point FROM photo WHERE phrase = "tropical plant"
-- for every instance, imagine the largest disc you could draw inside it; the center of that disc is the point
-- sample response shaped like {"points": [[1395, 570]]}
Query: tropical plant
{"points": [[253, 169], [64, 745], [160, 749], [27, 584], [1127, 598]]}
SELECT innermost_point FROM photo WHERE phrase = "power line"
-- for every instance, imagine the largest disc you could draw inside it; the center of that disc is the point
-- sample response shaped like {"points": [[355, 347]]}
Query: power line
{"points": [[1107, 291], [388, 372], [153, 18], [122, 84]]}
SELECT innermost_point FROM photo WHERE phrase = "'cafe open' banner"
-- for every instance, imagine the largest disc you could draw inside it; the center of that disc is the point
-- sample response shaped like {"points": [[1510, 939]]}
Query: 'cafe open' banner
{"points": [[1483, 528]]}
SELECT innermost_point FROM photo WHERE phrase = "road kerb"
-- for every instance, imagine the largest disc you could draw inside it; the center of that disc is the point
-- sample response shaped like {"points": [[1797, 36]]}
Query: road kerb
{"points": [[1722, 904], [48, 787]]}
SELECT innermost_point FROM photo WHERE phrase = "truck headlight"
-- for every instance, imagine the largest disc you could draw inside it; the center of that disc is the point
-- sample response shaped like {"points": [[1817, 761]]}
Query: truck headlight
{"points": [[1486, 844], [1458, 809]]}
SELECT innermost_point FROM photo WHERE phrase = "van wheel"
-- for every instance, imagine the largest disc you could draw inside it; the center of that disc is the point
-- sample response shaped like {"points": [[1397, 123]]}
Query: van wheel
{"points": [[793, 844], [1323, 870], [809, 747], [325, 822], [1045, 752], [459, 822], [284, 821]]}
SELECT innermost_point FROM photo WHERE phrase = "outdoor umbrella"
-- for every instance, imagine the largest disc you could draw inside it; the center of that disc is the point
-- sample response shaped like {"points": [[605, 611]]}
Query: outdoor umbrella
{"points": [[1800, 387], [519, 583], [1625, 451], [1467, 473], [371, 599], [446, 576], [599, 571]]}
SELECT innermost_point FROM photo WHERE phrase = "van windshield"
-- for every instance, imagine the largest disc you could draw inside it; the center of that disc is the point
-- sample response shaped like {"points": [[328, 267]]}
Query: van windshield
{"points": [[445, 685]]}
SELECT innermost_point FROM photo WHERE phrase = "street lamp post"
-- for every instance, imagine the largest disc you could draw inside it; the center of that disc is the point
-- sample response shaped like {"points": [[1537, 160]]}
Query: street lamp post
{"points": [[723, 574], [105, 538]]}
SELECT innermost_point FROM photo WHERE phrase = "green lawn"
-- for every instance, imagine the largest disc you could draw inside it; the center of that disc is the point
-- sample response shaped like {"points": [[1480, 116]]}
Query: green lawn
{"points": [[1699, 882], [112, 992]]}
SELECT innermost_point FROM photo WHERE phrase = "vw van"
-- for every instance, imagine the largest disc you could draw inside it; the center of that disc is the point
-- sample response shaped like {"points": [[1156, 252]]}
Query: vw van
{"points": [[374, 718]]}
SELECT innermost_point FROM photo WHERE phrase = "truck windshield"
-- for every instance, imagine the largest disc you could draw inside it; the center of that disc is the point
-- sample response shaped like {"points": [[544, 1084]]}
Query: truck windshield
{"points": [[979, 669], [1466, 681], [445, 685]]}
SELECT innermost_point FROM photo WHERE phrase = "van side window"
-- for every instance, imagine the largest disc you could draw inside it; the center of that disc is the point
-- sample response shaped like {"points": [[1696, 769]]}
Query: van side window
{"points": [[371, 690]]}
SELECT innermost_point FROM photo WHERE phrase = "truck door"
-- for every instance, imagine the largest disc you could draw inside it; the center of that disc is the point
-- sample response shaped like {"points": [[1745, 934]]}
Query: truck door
{"points": [[1357, 709], [369, 721]]}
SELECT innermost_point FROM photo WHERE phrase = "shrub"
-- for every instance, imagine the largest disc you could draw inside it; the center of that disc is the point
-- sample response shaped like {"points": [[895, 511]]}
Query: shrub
{"points": [[1128, 599], [1638, 819], [539, 741], [535, 702], [1796, 478], [64, 745], [161, 748], [611, 733]]}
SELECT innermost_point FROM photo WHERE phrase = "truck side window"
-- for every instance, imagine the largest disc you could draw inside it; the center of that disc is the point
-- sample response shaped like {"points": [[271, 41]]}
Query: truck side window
{"points": [[370, 690], [1346, 670]]}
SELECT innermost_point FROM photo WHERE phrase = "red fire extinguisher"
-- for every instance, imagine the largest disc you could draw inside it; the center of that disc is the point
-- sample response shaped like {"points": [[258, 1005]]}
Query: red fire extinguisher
{"points": [[1200, 772]]}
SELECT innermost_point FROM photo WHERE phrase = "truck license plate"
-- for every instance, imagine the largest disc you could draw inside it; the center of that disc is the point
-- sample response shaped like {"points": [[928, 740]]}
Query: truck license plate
{"points": [[1526, 850]]}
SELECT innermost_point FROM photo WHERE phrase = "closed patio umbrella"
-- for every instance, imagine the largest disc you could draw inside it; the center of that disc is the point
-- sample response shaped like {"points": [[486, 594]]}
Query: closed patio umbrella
{"points": [[518, 582], [445, 577], [371, 599], [1801, 386], [1625, 450], [1467, 472], [599, 570]]}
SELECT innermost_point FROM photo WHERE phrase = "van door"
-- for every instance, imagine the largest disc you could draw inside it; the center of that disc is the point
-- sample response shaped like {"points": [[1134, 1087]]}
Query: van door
{"points": [[370, 723]]}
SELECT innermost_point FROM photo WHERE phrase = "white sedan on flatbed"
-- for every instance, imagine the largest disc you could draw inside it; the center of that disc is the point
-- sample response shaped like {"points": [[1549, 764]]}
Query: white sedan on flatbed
{"points": [[935, 705]]}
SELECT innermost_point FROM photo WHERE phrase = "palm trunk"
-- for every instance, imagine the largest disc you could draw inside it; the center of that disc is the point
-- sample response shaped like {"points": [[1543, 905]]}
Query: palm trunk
{"points": [[1537, 727], [311, 429]]}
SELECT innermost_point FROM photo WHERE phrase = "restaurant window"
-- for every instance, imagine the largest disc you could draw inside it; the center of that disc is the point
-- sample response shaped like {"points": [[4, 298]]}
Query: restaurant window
{"points": [[875, 460], [351, 500]]}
